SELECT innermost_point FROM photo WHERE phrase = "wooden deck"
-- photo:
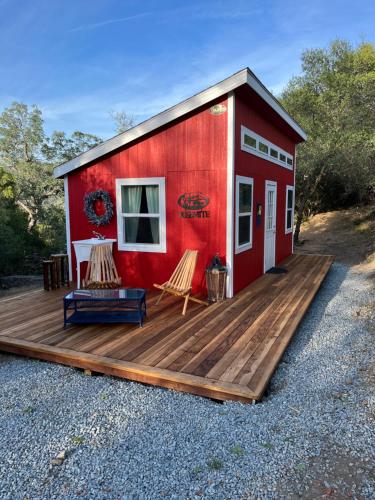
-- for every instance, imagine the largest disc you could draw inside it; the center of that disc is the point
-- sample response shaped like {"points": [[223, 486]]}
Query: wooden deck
{"points": [[226, 351]]}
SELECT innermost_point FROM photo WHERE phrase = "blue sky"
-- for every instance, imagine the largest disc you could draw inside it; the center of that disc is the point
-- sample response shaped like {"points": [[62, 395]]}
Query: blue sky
{"points": [[79, 59]]}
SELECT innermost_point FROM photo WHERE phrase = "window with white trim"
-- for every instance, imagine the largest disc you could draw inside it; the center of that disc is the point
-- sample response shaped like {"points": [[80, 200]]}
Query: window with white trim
{"points": [[259, 146], [289, 209], [141, 219], [244, 213]]}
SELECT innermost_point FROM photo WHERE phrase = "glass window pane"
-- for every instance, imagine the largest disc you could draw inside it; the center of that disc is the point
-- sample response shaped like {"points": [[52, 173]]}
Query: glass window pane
{"points": [[290, 198], [245, 197], [140, 199], [250, 141], [274, 153], [289, 219], [131, 199], [142, 230], [243, 229], [263, 148], [152, 197], [290, 161], [282, 157]]}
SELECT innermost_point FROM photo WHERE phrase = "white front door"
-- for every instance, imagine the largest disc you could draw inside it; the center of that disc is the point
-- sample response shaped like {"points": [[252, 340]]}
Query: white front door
{"points": [[270, 225]]}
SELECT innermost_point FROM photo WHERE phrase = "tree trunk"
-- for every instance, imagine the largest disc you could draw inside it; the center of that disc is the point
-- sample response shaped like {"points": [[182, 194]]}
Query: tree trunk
{"points": [[299, 219], [31, 217], [304, 201]]}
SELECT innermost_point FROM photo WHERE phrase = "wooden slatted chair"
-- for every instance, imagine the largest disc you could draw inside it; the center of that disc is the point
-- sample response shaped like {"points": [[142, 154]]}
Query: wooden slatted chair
{"points": [[179, 284]]}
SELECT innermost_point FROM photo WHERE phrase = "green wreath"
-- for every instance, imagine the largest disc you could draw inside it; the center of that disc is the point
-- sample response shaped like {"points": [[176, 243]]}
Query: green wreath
{"points": [[89, 207]]}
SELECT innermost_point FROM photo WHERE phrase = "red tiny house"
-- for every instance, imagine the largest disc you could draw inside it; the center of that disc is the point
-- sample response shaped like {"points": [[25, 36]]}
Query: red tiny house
{"points": [[186, 167], [205, 147]]}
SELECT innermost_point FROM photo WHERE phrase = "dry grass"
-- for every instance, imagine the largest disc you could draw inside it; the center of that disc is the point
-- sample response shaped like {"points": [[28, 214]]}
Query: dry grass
{"points": [[347, 234]]}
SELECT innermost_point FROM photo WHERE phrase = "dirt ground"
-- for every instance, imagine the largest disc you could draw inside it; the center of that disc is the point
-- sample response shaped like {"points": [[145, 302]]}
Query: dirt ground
{"points": [[349, 235]]}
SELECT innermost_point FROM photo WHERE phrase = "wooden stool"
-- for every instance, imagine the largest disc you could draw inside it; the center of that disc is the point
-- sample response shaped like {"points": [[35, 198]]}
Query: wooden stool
{"points": [[56, 271], [61, 269], [48, 275]]}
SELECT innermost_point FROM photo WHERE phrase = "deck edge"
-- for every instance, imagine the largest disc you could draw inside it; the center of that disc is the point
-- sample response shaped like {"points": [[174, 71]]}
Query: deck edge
{"points": [[160, 377]]}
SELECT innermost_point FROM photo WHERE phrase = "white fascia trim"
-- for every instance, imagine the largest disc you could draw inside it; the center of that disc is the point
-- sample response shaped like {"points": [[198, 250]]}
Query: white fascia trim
{"points": [[230, 194], [155, 122], [289, 230], [67, 226], [142, 247], [294, 182], [245, 76], [266, 95], [250, 181]]}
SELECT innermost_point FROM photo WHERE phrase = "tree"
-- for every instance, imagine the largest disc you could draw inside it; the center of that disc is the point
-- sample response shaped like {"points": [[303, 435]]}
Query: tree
{"points": [[21, 134], [334, 101], [60, 148], [21, 142], [30, 157], [27, 159], [123, 121], [16, 241]]}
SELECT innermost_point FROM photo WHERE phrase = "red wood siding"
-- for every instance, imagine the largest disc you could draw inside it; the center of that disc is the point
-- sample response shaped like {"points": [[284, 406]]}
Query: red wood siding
{"points": [[192, 156], [248, 265]]}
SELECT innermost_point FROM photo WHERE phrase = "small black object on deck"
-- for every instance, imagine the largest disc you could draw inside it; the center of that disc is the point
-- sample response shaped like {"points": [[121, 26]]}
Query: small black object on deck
{"points": [[277, 270]]}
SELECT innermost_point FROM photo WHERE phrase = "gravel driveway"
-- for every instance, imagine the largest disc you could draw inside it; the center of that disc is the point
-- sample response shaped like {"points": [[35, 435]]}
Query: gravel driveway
{"points": [[312, 435]]}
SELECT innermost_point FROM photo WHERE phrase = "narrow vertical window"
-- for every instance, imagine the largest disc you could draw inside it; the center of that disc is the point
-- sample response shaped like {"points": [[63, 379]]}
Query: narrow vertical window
{"points": [[289, 209], [244, 213]]}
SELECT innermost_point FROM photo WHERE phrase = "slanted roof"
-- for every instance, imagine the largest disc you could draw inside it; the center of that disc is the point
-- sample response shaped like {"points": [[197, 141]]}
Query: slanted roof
{"points": [[243, 77]]}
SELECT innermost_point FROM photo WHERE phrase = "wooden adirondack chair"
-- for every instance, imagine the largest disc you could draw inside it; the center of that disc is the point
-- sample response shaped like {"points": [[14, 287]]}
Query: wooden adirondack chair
{"points": [[179, 283]]}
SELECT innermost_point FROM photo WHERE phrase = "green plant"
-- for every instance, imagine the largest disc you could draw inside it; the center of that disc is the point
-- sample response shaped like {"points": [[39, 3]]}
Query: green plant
{"points": [[77, 440], [237, 450], [268, 446], [215, 464], [197, 470], [28, 409]]}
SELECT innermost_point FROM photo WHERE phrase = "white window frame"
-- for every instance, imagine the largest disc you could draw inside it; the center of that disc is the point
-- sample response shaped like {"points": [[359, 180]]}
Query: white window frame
{"points": [[290, 229], [266, 156], [161, 247], [250, 181]]}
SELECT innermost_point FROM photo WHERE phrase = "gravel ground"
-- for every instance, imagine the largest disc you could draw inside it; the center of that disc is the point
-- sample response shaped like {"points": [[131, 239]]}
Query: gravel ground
{"points": [[312, 436]]}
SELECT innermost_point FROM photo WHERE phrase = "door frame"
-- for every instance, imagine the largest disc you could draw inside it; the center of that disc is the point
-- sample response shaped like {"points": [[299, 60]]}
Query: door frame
{"points": [[271, 183]]}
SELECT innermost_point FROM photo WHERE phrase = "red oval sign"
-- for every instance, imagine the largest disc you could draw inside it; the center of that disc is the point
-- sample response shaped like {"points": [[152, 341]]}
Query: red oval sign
{"points": [[193, 201]]}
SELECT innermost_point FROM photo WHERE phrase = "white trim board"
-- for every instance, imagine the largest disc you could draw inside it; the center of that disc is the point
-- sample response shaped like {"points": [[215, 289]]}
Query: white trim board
{"points": [[289, 230], [240, 179], [67, 226], [274, 184], [294, 185], [161, 247], [243, 77], [230, 195]]}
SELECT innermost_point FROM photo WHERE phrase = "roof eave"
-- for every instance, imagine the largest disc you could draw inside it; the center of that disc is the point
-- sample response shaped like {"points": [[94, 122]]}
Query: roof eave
{"points": [[153, 123], [245, 76], [271, 100]]}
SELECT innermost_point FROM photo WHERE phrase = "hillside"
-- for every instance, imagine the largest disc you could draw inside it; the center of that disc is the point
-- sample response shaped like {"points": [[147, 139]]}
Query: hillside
{"points": [[347, 234]]}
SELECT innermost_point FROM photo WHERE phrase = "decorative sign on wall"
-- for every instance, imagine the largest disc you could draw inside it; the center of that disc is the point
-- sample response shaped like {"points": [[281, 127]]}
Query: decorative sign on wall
{"points": [[218, 109], [193, 205]]}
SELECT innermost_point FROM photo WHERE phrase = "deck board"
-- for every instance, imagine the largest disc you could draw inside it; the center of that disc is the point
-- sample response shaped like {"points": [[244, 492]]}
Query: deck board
{"points": [[227, 351]]}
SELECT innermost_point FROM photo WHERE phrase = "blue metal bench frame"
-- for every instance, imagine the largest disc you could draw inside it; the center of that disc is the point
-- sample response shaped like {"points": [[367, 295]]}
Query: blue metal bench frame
{"points": [[125, 305]]}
